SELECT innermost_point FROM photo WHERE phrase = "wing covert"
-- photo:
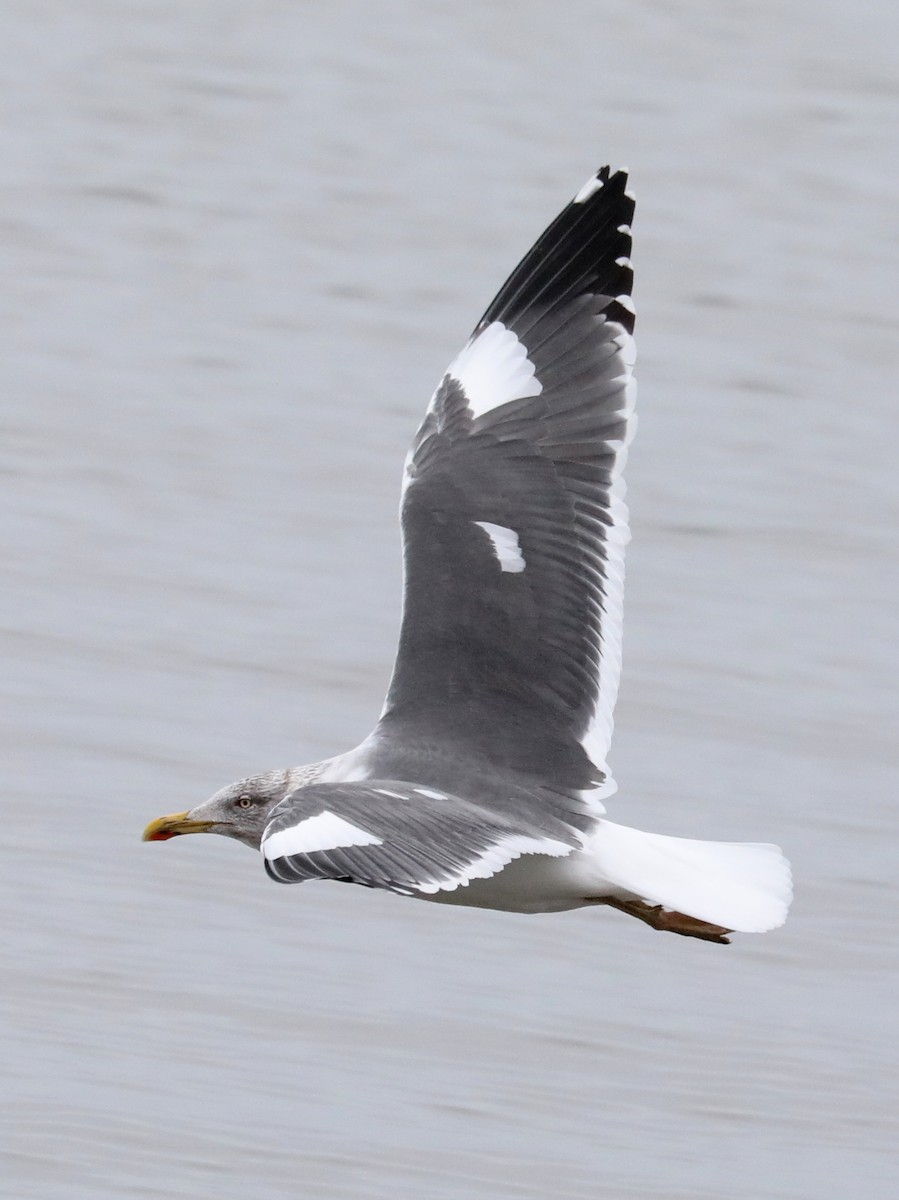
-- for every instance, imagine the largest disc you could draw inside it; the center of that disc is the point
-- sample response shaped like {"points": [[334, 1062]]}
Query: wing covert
{"points": [[395, 835]]}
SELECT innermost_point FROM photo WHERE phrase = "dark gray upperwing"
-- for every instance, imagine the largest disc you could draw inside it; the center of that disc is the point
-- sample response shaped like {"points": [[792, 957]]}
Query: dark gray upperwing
{"points": [[513, 520], [404, 837]]}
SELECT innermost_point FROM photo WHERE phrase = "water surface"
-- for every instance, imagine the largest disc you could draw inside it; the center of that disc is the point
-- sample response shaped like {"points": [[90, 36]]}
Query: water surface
{"points": [[241, 245]]}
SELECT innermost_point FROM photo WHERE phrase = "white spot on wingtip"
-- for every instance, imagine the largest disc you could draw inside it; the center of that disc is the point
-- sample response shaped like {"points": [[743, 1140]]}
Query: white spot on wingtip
{"points": [[590, 188], [625, 171], [626, 303], [325, 831], [506, 546]]}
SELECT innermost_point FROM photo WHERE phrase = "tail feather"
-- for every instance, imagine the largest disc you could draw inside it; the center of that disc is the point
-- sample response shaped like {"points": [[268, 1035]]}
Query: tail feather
{"points": [[744, 886]]}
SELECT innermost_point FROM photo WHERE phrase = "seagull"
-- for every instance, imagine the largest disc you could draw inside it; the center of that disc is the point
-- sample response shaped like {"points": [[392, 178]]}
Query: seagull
{"points": [[483, 781]]}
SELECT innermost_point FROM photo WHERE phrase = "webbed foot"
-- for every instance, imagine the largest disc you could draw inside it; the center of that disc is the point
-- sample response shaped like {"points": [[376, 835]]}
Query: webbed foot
{"points": [[671, 922]]}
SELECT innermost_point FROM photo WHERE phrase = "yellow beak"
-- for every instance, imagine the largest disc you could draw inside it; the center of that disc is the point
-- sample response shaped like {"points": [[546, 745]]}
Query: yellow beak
{"points": [[164, 828]]}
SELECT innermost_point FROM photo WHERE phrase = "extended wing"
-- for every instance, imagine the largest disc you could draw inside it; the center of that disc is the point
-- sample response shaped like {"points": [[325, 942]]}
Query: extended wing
{"points": [[513, 518]]}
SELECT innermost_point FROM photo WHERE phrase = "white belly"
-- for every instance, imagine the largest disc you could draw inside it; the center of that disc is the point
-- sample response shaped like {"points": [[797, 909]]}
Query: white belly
{"points": [[535, 883]]}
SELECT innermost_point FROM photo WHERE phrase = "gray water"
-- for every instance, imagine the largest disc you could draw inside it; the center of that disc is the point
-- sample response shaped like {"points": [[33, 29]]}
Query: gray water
{"points": [[241, 243]]}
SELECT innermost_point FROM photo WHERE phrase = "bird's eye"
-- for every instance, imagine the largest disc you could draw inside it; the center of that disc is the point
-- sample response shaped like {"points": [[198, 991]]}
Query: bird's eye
{"points": [[244, 801]]}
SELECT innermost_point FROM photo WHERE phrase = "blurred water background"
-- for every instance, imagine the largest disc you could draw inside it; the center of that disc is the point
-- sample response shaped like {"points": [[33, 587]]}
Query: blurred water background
{"points": [[240, 245]]}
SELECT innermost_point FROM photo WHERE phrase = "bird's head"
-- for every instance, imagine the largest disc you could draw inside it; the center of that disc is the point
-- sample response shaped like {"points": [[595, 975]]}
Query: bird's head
{"points": [[240, 810]]}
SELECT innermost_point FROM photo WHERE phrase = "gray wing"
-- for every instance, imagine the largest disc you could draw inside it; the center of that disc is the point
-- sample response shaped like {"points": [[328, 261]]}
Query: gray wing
{"points": [[513, 518], [400, 836]]}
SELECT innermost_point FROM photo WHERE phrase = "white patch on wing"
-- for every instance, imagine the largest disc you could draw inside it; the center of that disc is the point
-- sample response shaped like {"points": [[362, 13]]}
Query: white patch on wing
{"points": [[494, 369], [598, 736], [506, 546], [326, 831], [408, 477], [497, 857], [590, 188], [432, 795]]}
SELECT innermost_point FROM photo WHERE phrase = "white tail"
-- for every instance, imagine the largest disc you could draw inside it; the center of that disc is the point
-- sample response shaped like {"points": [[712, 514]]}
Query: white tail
{"points": [[745, 886]]}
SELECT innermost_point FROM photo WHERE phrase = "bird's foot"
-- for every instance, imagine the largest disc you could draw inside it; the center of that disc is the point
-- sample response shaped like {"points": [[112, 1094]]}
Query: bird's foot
{"points": [[671, 922]]}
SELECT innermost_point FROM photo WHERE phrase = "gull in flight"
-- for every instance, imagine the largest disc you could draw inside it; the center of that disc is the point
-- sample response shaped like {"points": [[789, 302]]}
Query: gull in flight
{"points": [[484, 779]]}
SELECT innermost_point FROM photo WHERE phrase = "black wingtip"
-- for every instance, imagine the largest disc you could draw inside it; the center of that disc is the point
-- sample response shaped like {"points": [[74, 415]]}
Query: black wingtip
{"points": [[617, 176], [585, 250]]}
